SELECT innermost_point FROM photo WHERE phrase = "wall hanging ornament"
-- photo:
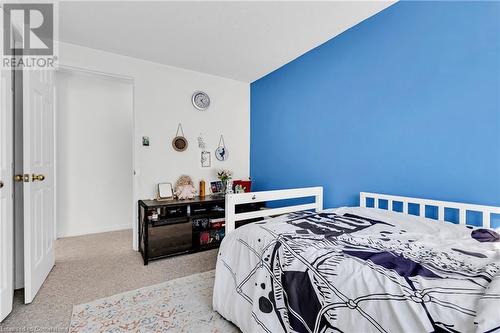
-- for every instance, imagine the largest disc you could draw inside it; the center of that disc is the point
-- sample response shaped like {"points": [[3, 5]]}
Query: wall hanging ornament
{"points": [[205, 159], [205, 155], [221, 152], [201, 143], [179, 143]]}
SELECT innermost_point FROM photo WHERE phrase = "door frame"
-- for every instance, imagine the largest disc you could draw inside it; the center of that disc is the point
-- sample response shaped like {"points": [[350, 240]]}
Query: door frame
{"points": [[7, 230], [131, 80]]}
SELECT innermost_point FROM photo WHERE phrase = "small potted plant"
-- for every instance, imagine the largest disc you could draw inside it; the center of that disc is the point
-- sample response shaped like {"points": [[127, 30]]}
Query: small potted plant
{"points": [[224, 176]]}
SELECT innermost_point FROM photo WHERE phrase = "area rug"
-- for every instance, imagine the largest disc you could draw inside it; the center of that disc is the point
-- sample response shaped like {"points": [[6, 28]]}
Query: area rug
{"points": [[180, 305]]}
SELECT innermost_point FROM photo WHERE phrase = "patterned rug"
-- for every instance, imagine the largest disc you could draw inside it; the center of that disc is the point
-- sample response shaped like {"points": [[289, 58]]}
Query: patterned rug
{"points": [[180, 305]]}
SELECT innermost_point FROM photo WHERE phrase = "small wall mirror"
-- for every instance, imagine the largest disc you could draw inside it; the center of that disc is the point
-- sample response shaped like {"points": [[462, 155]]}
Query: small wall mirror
{"points": [[165, 191]]}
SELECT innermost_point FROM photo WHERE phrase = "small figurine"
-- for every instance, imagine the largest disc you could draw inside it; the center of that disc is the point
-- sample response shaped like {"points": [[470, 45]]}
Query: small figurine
{"points": [[239, 189]]}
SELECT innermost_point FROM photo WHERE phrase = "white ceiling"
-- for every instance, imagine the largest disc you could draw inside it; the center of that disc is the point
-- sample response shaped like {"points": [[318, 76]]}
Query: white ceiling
{"points": [[238, 40]]}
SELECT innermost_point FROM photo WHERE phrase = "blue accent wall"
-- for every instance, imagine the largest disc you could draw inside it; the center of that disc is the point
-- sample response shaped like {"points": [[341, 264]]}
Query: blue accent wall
{"points": [[406, 102]]}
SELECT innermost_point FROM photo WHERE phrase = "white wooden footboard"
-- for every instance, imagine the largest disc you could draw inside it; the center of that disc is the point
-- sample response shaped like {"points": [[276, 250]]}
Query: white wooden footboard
{"points": [[242, 198]]}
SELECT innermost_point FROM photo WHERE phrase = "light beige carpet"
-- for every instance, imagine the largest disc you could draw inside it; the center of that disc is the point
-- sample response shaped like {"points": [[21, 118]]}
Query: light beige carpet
{"points": [[180, 305], [92, 267]]}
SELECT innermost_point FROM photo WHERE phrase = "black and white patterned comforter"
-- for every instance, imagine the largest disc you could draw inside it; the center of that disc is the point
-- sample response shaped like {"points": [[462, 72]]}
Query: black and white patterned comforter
{"points": [[357, 270]]}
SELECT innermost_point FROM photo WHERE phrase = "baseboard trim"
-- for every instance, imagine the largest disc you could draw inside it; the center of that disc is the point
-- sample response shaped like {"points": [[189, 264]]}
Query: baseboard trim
{"points": [[96, 230]]}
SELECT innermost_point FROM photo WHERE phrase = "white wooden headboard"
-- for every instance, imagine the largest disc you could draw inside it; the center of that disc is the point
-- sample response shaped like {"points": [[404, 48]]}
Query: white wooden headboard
{"points": [[242, 198], [462, 208]]}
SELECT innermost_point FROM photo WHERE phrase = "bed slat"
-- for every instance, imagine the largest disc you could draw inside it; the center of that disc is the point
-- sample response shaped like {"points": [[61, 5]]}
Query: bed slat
{"points": [[486, 219], [276, 211], [441, 213], [462, 219], [422, 210]]}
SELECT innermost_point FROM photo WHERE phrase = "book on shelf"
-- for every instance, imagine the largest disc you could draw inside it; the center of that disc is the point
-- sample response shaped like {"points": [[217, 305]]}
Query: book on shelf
{"points": [[217, 223]]}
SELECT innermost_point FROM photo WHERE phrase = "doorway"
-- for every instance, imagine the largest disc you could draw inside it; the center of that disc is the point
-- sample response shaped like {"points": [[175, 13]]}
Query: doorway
{"points": [[93, 178], [94, 153]]}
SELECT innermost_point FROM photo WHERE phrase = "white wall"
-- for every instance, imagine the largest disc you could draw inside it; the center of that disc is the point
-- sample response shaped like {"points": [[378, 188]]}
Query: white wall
{"points": [[162, 99], [94, 153]]}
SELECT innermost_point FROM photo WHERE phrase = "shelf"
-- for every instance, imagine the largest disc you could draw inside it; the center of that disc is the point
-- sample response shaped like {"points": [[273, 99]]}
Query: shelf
{"points": [[173, 230], [208, 215], [211, 229], [168, 221], [196, 200], [209, 246]]}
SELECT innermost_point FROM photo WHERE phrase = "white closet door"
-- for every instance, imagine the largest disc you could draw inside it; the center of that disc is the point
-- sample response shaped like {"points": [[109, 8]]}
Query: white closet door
{"points": [[6, 207], [39, 200]]}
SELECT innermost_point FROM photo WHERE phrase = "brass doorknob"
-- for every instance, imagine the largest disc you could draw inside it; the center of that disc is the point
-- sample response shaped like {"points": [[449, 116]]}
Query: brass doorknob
{"points": [[20, 178], [40, 178], [1, 184]]}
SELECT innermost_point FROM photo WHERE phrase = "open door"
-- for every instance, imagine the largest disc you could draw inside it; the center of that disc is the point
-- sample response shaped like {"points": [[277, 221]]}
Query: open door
{"points": [[6, 206], [39, 199]]}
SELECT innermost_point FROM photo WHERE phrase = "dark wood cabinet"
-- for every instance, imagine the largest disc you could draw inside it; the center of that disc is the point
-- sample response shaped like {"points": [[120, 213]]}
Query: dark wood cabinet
{"points": [[168, 228]]}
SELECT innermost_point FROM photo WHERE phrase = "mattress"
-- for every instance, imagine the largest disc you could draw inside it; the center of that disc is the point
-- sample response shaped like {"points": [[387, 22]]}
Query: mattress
{"points": [[357, 270]]}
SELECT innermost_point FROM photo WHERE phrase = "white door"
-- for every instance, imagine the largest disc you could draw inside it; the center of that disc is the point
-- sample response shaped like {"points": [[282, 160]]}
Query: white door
{"points": [[38, 146], [6, 207]]}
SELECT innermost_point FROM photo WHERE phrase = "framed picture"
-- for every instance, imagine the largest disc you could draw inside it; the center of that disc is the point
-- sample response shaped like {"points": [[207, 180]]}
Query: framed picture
{"points": [[206, 161], [216, 186], [165, 191], [242, 186]]}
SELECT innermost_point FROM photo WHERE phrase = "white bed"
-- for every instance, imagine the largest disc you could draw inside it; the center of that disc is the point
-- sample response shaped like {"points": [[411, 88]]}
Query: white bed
{"points": [[356, 269]]}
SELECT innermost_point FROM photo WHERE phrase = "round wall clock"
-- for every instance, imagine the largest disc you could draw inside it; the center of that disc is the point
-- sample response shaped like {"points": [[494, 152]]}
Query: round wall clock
{"points": [[200, 100]]}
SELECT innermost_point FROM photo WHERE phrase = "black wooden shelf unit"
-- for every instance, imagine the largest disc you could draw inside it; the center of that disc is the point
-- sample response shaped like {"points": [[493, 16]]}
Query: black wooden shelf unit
{"points": [[173, 227]]}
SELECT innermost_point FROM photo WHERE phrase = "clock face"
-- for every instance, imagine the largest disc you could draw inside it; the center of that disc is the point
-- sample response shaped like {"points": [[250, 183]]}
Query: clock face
{"points": [[200, 100]]}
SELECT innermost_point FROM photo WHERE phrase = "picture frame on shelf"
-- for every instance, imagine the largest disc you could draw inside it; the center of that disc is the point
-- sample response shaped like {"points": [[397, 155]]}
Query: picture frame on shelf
{"points": [[216, 187], [165, 192]]}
